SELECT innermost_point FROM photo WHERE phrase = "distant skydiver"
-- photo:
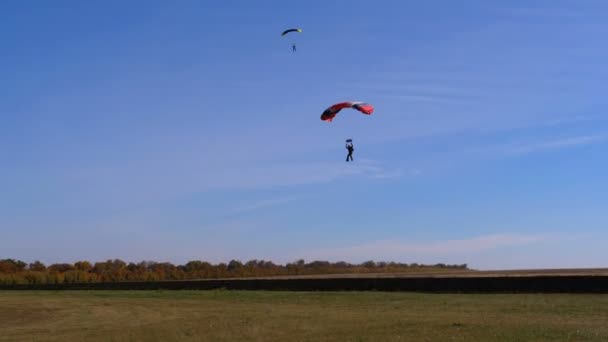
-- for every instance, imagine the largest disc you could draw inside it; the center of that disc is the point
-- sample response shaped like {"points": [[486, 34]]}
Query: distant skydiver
{"points": [[330, 113], [299, 30], [350, 148]]}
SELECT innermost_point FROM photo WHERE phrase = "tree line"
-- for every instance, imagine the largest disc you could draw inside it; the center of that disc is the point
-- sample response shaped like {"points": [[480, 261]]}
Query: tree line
{"points": [[18, 272]]}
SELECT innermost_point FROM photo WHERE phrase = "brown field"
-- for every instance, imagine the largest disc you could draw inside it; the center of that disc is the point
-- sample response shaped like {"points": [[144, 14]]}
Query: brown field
{"points": [[299, 316]]}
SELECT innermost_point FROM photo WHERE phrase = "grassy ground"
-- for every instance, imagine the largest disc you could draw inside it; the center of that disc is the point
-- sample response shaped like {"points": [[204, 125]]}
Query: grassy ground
{"points": [[297, 316]]}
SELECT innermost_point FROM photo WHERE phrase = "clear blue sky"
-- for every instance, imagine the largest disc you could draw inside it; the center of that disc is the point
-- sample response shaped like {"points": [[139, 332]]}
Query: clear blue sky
{"points": [[172, 131]]}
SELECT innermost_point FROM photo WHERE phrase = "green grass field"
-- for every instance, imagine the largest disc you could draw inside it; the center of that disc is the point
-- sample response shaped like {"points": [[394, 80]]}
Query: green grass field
{"points": [[299, 316]]}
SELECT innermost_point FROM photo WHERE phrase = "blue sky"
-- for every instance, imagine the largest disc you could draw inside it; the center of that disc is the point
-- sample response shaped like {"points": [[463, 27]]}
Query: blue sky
{"points": [[178, 131]]}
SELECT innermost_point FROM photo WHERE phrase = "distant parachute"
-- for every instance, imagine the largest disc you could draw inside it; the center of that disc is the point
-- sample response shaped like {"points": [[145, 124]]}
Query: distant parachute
{"points": [[331, 112], [291, 30]]}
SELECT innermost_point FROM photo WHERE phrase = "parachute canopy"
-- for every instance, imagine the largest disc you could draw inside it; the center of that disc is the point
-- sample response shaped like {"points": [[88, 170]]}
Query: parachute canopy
{"points": [[331, 112], [291, 30]]}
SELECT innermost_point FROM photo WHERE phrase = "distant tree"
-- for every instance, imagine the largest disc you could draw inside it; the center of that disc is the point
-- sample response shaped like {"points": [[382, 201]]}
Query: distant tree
{"points": [[12, 279], [221, 271], [110, 270], [35, 277], [369, 264], [137, 272], [193, 267], [252, 268], [37, 266], [76, 276], [54, 278], [118, 270], [318, 265], [17, 272], [196, 269], [166, 271], [11, 266], [235, 268], [84, 266], [60, 268]]}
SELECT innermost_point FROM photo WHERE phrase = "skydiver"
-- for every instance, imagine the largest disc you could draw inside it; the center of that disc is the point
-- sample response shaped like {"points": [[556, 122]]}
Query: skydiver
{"points": [[350, 148], [293, 47]]}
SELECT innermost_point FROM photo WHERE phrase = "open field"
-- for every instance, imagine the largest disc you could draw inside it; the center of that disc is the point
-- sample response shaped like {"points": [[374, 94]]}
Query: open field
{"points": [[299, 316]]}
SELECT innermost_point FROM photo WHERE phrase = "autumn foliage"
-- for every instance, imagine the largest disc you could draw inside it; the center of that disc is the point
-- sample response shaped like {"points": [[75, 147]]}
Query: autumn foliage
{"points": [[18, 272]]}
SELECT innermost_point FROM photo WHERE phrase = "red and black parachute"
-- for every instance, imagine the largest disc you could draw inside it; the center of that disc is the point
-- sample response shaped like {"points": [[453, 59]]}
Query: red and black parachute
{"points": [[331, 112]]}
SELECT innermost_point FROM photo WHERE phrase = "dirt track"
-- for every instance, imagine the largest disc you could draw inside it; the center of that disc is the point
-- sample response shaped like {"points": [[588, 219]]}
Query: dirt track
{"points": [[458, 274]]}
